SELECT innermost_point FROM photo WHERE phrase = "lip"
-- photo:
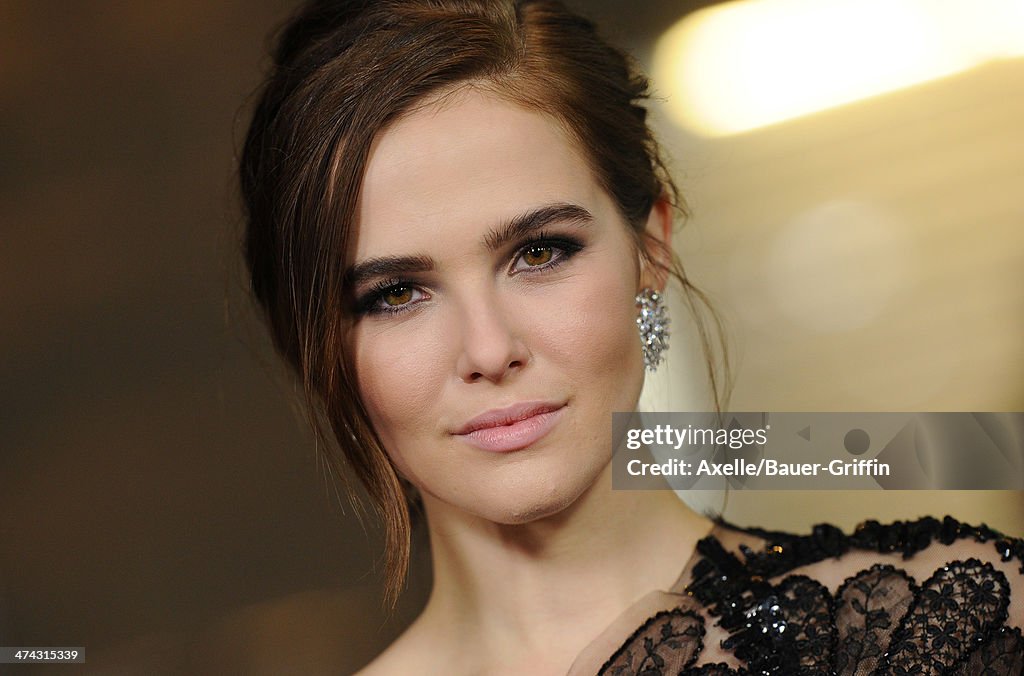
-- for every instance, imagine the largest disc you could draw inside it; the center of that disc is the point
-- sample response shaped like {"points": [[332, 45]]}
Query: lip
{"points": [[512, 428]]}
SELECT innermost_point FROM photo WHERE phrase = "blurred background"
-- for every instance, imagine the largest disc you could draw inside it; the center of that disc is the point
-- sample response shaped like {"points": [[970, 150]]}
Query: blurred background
{"points": [[854, 173]]}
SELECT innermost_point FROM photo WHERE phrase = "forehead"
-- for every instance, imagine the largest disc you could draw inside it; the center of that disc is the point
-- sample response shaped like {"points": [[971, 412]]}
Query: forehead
{"points": [[461, 165]]}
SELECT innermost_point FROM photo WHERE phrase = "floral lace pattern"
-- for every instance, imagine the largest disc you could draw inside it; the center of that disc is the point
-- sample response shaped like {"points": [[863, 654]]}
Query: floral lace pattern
{"points": [[865, 608], [956, 611], [668, 642], [1003, 654], [880, 620]]}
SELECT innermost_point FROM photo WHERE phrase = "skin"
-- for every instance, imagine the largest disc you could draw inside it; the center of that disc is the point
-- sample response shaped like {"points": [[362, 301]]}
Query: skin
{"points": [[520, 540]]}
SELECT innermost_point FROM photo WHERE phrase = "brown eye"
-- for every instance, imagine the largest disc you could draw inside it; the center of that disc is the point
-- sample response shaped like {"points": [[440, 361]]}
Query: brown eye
{"points": [[544, 254], [399, 295], [538, 255]]}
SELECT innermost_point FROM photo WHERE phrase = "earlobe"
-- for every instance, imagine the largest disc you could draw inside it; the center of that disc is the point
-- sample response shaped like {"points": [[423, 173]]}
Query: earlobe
{"points": [[656, 259]]}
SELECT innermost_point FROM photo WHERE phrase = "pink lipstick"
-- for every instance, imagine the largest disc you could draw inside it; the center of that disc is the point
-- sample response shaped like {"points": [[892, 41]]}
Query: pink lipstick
{"points": [[513, 428]]}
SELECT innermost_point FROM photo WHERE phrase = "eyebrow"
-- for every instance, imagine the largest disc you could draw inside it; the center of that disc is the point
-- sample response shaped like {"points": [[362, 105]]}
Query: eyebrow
{"points": [[536, 219], [515, 229], [387, 266]]}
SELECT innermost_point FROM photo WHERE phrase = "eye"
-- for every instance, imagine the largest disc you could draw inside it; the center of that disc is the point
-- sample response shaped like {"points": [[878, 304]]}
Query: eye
{"points": [[397, 296], [390, 297], [544, 254], [538, 255]]}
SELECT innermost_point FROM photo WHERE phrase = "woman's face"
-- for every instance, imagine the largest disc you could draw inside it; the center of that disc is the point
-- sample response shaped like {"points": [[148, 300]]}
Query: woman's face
{"points": [[494, 284]]}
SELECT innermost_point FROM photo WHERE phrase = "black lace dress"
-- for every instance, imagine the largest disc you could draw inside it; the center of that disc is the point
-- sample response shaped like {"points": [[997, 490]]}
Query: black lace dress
{"points": [[923, 597]]}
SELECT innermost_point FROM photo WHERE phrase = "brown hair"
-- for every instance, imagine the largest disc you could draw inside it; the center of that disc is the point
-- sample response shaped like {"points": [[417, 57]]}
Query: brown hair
{"points": [[343, 70]]}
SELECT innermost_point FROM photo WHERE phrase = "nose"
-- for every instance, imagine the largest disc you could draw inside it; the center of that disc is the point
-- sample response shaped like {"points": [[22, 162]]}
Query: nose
{"points": [[491, 347]]}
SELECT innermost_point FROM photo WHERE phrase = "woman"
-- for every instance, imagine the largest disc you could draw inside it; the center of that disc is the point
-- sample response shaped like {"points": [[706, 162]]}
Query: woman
{"points": [[455, 209]]}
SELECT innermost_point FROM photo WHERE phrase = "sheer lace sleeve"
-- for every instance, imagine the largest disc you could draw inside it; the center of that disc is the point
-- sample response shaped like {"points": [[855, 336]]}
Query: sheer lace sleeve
{"points": [[923, 597]]}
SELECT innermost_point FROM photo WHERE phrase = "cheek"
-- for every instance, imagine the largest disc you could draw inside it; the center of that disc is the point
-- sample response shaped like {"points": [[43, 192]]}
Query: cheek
{"points": [[596, 338], [398, 380]]}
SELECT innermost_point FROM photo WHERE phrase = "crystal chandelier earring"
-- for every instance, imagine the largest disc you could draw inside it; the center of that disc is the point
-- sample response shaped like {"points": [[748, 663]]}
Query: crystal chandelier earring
{"points": [[653, 324]]}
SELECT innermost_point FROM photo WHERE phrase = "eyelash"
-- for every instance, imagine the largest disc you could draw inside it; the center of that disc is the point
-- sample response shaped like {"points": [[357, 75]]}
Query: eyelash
{"points": [[564, 248]]}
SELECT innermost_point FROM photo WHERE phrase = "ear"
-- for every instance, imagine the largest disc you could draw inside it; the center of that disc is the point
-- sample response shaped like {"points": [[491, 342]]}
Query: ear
{"points": [[656, 259]]}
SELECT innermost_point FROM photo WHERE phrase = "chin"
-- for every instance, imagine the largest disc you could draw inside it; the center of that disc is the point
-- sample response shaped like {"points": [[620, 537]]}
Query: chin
{"points": [[527, 511], [545, 492]]}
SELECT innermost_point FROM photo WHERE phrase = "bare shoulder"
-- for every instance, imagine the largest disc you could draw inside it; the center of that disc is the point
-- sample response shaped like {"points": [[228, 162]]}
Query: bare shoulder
{"points": [[400, 657], [391, 661], [415, 651]]}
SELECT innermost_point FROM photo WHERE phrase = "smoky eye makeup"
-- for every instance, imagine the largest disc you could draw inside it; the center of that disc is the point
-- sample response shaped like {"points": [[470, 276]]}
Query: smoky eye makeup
{"points": [[544, 251], [541, 252], [388, 296]]}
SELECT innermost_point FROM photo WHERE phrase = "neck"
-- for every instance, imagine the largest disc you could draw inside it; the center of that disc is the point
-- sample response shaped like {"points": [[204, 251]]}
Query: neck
{"points": [[528, 585]]}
